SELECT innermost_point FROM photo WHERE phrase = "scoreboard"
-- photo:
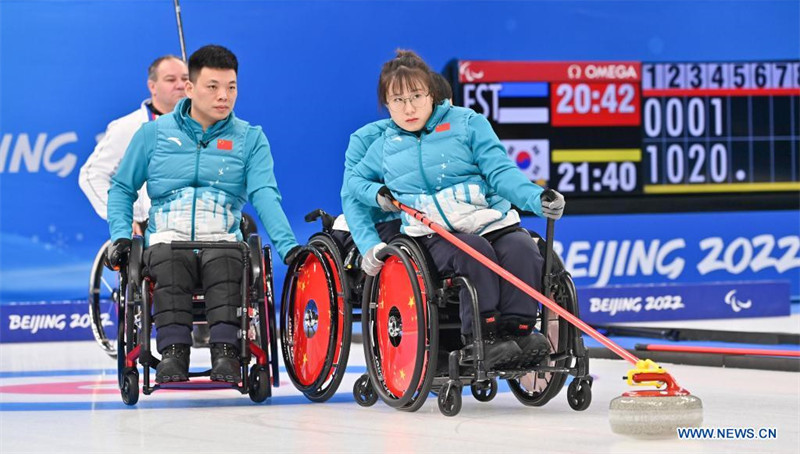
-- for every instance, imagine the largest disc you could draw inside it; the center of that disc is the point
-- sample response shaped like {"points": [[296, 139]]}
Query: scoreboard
{"points": [[646, 136]]}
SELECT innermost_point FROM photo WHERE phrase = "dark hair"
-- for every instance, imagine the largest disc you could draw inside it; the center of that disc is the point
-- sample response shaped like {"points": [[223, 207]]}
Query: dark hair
{"points": [[152, 70], [442, 87], [406, 69], [211, 56]]}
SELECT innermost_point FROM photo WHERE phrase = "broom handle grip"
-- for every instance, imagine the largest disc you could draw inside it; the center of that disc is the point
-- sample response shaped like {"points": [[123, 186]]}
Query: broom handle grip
{"points": [[548, 258], [575, 321]]}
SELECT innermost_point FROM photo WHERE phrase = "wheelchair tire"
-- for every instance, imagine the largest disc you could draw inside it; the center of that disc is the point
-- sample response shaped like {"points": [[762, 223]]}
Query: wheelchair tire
{"points": [[259, 383], [104, 284], [121, 350], [579, 394], [449, 398], [129, 308], [344, 321], [267, 323], [130, 387], [363, 392], [484, 391], [400, 327], [537, 388], [315, 347]]}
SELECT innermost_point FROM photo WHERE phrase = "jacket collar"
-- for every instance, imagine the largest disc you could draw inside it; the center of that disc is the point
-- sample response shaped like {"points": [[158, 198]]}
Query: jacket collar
{"points": [[188, 123], [436, 117]]}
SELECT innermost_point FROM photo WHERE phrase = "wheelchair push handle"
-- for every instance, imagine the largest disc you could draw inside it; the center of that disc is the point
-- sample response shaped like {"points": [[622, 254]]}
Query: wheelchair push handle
{"points": [[548, 256], [327, 219], [548, 195]]}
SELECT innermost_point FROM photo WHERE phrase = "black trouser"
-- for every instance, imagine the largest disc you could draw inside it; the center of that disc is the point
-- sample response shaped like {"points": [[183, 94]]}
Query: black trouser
{"points": [[515, 251], [386, 231], [177, 274]]}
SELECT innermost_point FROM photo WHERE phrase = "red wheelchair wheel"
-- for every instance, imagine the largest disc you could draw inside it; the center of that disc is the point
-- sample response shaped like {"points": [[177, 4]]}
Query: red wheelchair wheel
{"points": [[312, 316], [315, 321], [399, 328]]}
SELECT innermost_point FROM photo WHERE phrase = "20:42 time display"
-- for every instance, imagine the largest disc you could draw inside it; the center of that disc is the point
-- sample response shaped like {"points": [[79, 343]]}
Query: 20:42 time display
{"points": [[595, 104]]}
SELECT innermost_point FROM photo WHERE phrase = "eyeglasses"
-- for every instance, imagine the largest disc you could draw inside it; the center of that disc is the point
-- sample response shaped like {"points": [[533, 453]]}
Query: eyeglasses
{"points": [[398, 103]]}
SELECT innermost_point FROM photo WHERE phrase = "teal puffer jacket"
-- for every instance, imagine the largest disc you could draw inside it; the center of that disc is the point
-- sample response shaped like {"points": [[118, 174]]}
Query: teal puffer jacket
{"points": [[456, 171], [198, 181], [360, 218]]}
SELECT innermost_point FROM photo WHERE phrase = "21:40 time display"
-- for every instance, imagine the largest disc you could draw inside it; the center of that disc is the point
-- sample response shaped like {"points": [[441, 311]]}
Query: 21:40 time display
{"points": [[596, 177]]}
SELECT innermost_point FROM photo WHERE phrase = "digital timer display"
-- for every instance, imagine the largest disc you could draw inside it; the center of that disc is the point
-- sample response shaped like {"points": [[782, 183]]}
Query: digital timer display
{"points": [[604, 129]]}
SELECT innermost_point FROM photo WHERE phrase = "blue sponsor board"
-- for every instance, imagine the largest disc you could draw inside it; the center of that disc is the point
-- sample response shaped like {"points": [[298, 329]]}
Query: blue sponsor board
{"points": [[680, 248], [52, 321], [644, 303]]}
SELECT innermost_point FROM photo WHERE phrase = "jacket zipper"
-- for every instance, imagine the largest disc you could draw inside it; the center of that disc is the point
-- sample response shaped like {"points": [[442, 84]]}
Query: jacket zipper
{"points": [[194, 195], [428, 185]]}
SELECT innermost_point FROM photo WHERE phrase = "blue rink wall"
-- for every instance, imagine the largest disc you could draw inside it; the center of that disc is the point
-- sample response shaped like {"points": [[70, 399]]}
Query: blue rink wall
{"points": [[308, 75]]}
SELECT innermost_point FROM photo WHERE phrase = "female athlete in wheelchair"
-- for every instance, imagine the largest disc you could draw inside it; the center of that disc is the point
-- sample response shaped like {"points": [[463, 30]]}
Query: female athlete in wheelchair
{"points": [[447, 162], [327, 277]]}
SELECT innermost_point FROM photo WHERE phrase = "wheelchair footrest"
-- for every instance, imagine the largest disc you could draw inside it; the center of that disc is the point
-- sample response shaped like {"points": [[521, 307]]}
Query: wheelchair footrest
{"points": [[196, 384], [205, 373]]}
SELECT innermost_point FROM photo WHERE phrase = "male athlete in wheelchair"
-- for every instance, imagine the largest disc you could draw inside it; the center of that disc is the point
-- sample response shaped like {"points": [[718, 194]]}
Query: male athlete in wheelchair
{"points": [[201, 164]]}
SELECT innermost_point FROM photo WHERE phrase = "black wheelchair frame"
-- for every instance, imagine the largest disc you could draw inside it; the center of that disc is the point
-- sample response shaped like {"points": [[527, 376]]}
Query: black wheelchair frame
{"points": [[256, 312], [103, 284], [568, 355]]}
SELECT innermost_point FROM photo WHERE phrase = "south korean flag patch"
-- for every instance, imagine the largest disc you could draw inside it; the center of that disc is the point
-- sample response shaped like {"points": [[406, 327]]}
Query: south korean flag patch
{"points": [[532, 156]]}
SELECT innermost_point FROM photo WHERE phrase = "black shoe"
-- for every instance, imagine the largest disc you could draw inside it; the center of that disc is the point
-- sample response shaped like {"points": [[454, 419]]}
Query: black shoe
{"points": [[498, 354], [174, 365], [225, 365], [534, 348]]}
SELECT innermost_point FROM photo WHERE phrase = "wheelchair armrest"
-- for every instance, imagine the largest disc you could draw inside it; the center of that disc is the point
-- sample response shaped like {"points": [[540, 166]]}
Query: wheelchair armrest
{"points": [[136, 260], [254, 242]]}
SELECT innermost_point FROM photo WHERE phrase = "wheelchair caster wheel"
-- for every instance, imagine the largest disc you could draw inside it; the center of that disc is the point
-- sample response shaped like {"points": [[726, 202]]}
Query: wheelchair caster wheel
{"points": [[450, 398], [484, 391], [130, 387], [259, 384], [579, 394], [363, 392]]}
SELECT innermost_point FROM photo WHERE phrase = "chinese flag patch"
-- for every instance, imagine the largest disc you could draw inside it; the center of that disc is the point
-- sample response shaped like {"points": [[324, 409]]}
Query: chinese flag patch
{"points": [[223, 144], [443, 127]]}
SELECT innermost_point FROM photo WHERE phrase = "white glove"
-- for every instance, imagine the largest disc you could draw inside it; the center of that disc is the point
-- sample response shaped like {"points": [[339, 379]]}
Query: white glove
{"points": [[370, 263], [384, 199], [553, 204]]}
